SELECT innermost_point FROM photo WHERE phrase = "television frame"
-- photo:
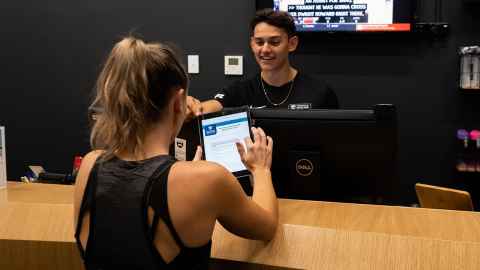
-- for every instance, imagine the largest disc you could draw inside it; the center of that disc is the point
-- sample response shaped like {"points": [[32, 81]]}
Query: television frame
{"points": [[409, 12]]}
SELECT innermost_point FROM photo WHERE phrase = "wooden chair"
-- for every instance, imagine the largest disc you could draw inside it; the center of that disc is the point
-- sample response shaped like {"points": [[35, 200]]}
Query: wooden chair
{"points": [[443, 198]]}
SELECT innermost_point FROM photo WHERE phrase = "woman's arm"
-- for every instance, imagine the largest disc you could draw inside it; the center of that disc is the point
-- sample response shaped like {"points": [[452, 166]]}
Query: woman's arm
{"points": [[257, 217], [81, 181]]}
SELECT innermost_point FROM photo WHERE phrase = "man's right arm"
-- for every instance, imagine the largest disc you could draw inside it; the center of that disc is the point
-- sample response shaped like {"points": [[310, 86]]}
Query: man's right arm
{"points": [[196, 108], [211, 105], [232, 96]]}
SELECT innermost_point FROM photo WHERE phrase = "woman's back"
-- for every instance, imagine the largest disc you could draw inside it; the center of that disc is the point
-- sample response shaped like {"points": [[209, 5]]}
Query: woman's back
{"points": [[121, 233]]}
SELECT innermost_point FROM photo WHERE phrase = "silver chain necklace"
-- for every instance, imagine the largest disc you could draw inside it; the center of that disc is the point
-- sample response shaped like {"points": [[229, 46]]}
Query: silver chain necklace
{"points": [[268, 98]]}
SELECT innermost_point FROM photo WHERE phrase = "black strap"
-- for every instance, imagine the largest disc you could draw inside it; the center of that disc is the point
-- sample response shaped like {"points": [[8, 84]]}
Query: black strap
{"points": [[157, 185]]}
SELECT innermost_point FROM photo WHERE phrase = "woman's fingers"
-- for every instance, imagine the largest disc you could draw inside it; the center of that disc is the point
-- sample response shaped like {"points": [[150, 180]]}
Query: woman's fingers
{"points": [[241, 151], [198, 154], [269, 144]]}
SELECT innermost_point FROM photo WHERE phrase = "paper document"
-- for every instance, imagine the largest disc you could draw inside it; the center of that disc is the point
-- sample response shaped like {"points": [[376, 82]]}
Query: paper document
{"points": [[3, 159]]}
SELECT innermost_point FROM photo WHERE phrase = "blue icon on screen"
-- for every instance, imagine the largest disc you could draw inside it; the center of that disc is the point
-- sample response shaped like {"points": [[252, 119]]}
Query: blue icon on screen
{"points": [[210, 130]]}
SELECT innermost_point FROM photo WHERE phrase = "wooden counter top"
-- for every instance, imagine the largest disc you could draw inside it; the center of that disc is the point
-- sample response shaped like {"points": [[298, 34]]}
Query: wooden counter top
{"points": [[36, 221], [407, 221]]}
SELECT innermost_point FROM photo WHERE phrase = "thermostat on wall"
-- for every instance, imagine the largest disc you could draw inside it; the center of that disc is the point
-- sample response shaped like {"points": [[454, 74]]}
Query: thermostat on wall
{"points": [[233, 65]]}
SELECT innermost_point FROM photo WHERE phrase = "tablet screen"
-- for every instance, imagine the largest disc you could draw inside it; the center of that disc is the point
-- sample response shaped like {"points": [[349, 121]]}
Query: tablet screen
{"points": [[219, 134]]}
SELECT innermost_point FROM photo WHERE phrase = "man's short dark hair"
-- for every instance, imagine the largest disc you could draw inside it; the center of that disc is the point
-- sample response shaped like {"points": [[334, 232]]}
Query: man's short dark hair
{"points": [[280, 19]]}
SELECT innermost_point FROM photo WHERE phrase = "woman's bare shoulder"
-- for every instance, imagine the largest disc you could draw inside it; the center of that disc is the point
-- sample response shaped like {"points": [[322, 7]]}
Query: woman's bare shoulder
{"points": [[200, 170], [87, 164], [92, 156]]}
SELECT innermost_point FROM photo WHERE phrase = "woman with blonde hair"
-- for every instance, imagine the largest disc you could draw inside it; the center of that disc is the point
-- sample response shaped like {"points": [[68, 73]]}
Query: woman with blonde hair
{"points": [[136, 207]]}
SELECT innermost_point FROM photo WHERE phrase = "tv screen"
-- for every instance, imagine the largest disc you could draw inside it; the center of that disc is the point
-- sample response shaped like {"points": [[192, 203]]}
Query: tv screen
{"points": [[346, 15]]}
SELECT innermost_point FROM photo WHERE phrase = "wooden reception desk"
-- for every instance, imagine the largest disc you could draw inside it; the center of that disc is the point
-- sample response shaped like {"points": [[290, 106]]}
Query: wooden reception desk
{"points": [[36, 232]]}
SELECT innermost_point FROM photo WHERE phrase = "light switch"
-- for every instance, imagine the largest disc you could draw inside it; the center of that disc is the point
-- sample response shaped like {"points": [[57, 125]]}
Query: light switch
{"points": [[233, 65], [193, 64]]}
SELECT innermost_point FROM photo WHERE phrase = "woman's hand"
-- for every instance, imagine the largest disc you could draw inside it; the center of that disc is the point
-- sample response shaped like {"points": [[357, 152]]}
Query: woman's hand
{"points": [[258, 154], [198, 154]]}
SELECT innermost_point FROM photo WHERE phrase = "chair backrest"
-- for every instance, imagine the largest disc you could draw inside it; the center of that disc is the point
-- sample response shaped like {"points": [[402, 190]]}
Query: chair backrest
{"points": [[443, 198]]}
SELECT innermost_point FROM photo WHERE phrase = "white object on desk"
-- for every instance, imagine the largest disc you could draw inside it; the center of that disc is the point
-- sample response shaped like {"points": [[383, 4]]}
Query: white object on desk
{"points": [[180, 149], [3, 159]]}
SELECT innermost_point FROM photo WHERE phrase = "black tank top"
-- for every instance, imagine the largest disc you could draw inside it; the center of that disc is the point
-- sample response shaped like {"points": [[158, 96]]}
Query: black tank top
{"points": [[117, 195]]}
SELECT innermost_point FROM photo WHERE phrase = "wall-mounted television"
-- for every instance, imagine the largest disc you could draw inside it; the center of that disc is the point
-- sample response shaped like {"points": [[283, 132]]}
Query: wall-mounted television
{"points": [[347, 15]]}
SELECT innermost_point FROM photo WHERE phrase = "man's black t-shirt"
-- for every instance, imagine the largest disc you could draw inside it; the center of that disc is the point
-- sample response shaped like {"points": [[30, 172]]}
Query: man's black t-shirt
{"points": [[304, 91]]}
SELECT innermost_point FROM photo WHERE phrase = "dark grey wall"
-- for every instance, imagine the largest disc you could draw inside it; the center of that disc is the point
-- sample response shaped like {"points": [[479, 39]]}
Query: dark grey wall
{"points": [[51, 52]]}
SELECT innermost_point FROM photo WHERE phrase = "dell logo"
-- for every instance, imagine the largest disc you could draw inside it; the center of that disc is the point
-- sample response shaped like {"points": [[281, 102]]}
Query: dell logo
{"points": [[304, 167]]}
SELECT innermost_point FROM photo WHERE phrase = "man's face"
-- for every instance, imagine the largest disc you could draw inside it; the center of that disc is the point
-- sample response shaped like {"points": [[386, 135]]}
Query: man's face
{"points": [[271, 46]]}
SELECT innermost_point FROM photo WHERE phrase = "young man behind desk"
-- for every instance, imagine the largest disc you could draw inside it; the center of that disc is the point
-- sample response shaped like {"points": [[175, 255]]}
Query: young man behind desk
{"points": [[278, 85]]}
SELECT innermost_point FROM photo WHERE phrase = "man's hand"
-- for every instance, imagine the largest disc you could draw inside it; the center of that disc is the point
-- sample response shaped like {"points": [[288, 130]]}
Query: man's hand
{"points": [[194, 108]]}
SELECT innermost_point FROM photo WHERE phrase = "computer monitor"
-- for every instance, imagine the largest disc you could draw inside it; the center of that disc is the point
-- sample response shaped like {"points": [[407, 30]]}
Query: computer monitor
{"points": [[333, 155]]}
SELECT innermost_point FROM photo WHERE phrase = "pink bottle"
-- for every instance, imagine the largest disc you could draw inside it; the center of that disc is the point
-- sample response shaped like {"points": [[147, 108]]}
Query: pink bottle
{"points": [[475, 136]]}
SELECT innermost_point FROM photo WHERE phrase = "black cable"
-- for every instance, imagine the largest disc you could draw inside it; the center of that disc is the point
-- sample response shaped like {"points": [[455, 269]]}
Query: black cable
{"points": [[440, 10], [418, 11], [434, 9]]}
